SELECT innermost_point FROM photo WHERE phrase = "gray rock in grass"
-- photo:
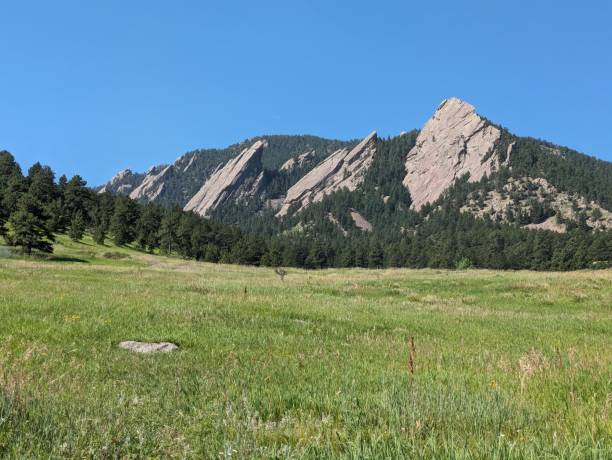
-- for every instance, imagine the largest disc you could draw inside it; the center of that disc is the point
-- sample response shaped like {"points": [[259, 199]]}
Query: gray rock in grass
{"points": [[148, 347]]}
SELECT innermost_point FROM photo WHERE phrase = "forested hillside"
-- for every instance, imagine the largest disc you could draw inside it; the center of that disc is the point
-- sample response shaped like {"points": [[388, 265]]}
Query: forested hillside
{"points": [[460, 192], [35, 207]]}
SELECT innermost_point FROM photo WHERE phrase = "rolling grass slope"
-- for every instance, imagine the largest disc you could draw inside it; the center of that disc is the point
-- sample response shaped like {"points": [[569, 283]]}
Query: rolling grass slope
{"points": [[504, 365]]}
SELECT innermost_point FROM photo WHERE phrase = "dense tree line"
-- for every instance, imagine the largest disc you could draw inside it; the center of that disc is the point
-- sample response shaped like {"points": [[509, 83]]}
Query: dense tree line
{"points": [[34, 208], [446, 238], [439, 235]]}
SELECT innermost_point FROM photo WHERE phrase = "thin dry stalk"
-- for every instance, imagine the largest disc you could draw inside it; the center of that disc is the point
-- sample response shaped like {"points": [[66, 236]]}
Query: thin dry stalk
{"points": [[411, 359]]}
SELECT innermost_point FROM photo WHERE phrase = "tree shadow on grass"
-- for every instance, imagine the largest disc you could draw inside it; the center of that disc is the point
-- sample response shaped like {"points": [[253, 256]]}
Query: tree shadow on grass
{"points": [[66, 259]]}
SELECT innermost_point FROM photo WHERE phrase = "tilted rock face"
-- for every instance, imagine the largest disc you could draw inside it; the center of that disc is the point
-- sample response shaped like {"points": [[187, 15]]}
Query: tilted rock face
{"points": [[153, 184], [360, 221], [239, 177], [454, 142], [122, 183], [297, 162], [343, 169]]}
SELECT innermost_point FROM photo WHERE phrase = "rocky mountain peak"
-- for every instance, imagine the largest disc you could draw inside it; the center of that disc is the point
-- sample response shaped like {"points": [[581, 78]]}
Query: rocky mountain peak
{"points": [[152, 184], [344, 168], [239, 177], [455, 141], [122, 183], [298, 161]]}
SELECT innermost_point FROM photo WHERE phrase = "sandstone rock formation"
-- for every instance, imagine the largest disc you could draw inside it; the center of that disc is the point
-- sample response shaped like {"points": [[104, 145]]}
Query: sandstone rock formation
{"points": [[360, 221], [454, 142], [239, 177], [122, 183], [152, 185], [342, 169], [296, 162]]}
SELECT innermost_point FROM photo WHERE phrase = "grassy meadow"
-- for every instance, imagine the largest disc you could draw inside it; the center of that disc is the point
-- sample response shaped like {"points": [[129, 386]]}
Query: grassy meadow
{"points": [[320, 365]]}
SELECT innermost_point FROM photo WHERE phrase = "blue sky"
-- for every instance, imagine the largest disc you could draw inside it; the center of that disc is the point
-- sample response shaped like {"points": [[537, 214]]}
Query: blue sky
{"points": [[94, 87]]}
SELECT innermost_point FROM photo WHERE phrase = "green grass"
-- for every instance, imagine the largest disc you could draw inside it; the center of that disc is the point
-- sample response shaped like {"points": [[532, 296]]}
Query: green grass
{"points": [[507, 365]]}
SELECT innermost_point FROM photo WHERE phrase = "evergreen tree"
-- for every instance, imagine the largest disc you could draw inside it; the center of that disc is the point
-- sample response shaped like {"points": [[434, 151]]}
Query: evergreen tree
{"points": [[168, 231], [375, 256], [123, 222], [248, 251], [99, 233], [14, 186], [317, 257], [75, 197], [346, 256], [11, 186], [212, 253], [30, 227], [77, 226], [41, 184], [148, 228]]}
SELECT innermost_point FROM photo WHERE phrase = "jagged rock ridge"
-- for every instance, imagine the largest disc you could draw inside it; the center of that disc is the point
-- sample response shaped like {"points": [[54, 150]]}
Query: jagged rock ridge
{"points": [[343, 169], [454, 142], [230, 181], [152, 184], [298, 161], [122, 183]]}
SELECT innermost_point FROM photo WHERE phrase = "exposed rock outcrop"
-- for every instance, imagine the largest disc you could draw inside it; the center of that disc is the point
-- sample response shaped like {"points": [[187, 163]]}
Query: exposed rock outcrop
{"points": [[343, 169], [297, 161], [454, 142], [336, 222], [360, 221], [551, 224], [520, 195], [152, 185], [122, 183], [238, 178]]}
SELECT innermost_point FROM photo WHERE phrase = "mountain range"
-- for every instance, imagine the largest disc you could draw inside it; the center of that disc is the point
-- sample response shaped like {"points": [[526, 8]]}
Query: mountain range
{"points": [[274, 184]]}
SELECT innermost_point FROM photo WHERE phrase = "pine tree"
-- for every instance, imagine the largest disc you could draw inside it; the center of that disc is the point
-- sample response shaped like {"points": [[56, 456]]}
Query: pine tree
{"points": [[346, 257], [100, 221], [11, 187], [123, 222], [375, 256], [316, 256], [75, 197], [77, 226], [99, 233], [148, 228], [168, 231], [30, 227], [14, 186], [41, 184]]}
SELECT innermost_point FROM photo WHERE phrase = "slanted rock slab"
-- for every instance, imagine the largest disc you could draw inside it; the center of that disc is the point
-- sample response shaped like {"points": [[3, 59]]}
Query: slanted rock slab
{"points": [[148, 347], [454, 142], [343, 169]]}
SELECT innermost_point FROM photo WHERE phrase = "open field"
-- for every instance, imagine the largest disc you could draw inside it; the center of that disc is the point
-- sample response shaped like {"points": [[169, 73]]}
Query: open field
{"points": [[505, 365]]}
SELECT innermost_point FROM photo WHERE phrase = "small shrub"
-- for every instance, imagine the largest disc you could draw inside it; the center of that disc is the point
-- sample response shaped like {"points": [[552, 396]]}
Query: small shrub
{"points": [[115, 255], [281, 272], [463, 264]]}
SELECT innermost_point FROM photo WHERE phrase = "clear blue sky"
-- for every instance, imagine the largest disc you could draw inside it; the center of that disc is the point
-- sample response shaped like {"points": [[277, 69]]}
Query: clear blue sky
{"points": [[93, 87]]}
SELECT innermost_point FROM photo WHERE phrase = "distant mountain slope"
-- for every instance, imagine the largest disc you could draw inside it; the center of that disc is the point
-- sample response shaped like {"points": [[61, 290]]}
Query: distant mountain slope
{"points": [[459, 159], [181, 180]]}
